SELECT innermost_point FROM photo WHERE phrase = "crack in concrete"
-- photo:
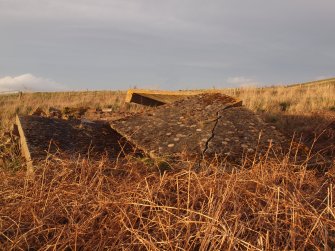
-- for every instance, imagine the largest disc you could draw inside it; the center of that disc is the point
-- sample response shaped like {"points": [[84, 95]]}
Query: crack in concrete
{"points": [[212, 133], [218, 117]]}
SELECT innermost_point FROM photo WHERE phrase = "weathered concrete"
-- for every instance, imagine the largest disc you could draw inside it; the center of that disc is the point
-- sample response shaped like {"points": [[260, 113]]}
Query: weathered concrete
{"points": [[40, 136], [209, 124], [24, 145], [240, 132], [204, 125], [157, 98]]}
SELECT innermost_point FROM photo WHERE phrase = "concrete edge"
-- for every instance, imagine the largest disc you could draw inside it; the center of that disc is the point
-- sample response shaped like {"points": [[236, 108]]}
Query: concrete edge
{"points": [[130, 93], [24, 146]]}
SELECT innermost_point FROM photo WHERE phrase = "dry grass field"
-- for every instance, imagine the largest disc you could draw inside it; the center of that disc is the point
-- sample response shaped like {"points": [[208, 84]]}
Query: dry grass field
{"points": [[81, 204]]}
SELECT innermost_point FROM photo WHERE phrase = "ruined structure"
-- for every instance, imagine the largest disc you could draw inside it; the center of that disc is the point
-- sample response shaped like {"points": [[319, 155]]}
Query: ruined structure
{"points": [[157, 98], [188, 124], [204, 124], [40, 136]]}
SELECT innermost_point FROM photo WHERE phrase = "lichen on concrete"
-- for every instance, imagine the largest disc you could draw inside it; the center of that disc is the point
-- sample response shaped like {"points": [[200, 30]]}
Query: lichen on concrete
{"points": [[41, 136], [240, 132], [205, 124], [159, 97]]}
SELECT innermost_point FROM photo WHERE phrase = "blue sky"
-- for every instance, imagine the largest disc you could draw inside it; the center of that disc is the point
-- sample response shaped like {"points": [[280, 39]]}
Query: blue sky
{"points": [[175, 44]]}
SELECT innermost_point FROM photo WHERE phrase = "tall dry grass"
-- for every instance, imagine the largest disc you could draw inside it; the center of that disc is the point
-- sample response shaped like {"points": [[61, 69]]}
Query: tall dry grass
{"points": [[80, 204], [297, 99], [128, 205], [26, 103]]}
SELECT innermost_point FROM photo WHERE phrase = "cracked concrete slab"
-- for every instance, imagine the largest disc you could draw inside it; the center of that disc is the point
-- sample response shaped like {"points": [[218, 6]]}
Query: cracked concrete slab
{"points": [[205, 125], [40, 136], [241, 132], [201, 125], [159, 97]]}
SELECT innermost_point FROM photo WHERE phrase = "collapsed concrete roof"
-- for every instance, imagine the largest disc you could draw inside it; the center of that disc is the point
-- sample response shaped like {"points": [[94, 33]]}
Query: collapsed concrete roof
{"points": [[157, 98], [40, 136], [209, 124]]}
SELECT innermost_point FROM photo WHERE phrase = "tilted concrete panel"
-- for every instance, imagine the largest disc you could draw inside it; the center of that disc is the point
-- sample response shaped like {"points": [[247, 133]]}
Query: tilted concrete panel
{"points": [[157, 98], [40, 136], [204, 124]]}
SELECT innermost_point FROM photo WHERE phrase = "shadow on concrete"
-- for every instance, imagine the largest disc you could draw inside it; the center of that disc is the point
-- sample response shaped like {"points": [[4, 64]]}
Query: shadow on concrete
{"points": [[317, 131]]}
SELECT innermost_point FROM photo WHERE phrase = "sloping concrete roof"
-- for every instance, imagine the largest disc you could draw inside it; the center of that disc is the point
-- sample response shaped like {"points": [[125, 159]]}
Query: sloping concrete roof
{"points": [[209, 124], [159, 97], [204, 125], [40, 136]]}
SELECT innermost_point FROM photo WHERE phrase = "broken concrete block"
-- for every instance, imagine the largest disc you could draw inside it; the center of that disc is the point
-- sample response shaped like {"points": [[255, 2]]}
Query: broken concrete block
{"points": [[74, 113], [157, 98], [205, 124], [40, 136], [239, 131]]}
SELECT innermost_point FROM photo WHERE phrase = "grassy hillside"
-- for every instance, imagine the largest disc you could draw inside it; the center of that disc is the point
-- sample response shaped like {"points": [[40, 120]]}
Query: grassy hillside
{"points": [[129, 204]]}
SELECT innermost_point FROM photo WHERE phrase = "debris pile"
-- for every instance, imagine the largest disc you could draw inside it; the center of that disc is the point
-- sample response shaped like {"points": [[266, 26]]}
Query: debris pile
{"points": [[189, 124], [204, 124], [40, 136]]}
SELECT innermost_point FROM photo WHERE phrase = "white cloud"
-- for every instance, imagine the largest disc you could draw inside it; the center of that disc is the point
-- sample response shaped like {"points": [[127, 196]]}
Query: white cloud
{"points": [[242, 81], [28, 82]]}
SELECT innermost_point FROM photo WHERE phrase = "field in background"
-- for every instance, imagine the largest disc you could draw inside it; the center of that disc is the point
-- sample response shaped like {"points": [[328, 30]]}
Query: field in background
{"points": [[129, 204], [302, 99]]}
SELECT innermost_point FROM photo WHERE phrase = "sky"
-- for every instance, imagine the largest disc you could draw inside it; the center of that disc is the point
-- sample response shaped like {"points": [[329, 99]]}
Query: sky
{"points": [[51, 45]]}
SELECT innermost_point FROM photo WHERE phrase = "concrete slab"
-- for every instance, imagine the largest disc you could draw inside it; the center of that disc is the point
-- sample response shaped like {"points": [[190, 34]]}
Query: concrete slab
{"points": [[209, 124], [40, 136], [158, 97], [240, 132]]}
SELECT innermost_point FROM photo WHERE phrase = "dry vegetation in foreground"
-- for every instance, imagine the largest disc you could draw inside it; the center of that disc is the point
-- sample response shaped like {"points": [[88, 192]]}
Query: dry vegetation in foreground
{"points": [[129, 205]]}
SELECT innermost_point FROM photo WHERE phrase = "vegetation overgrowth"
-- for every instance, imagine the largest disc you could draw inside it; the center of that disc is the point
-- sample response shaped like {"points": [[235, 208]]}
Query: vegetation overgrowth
{"points": [[128, 204]]}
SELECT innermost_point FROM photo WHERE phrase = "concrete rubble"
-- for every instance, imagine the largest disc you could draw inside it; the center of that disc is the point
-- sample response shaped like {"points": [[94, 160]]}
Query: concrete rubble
{"points": [[192, 124], [204, 124], [40, 136]]}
